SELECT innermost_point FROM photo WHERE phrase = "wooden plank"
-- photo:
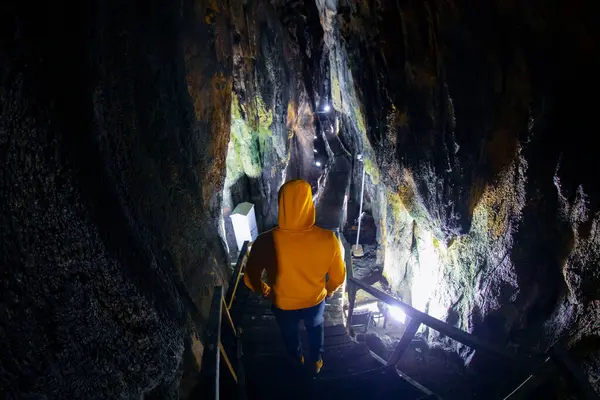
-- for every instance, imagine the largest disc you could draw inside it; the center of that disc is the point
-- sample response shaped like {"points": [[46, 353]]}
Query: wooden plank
{"points": [[265, 334], [253, 336], [257, 328], [250, 309], [573, 372], [229, 319], [348, 358], [260, 324], [237, 273], [339, 345], [208, 383], [377, 383], [227, 362], [347, 353], [254, 298], [335, 340], [341, 367], [258, 319], [277, 347], [404, 342], [336, 330], [272, 327], [261, 337], [272, 348], [442, 327], [351, 303], [252, 304]]}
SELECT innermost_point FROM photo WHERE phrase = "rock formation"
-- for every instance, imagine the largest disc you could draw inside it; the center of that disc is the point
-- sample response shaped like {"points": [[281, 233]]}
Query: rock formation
{"points": [[480, 161], [130, 130]]}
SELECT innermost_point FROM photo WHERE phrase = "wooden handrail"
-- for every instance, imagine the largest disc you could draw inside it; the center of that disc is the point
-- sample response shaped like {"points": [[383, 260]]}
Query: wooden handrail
{"points": [[227, 362], [434, 323], [229, 319], [237, 273], [208, 384], [558, 360], [209, 381]]}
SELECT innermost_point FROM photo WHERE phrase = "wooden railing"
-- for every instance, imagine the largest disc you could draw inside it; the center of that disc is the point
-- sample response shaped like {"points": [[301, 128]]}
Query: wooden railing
{"points": [[418, 317], [557, 359], [210, 378]]}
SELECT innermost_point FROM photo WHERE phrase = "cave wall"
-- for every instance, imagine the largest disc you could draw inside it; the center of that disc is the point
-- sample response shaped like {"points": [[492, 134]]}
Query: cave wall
{"points": [[278, 82], [114, 126], [129, 134], [475, 119]]}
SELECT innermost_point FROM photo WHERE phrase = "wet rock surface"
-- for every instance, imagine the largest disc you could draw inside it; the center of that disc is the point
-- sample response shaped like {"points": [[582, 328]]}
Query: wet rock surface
{"points": [[111, 136], [486, 211], [275, 130], [129, 134]]}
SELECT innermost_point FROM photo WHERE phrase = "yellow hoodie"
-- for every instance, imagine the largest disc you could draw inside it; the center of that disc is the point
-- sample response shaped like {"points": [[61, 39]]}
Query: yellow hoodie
{"points": [[296, 254]]}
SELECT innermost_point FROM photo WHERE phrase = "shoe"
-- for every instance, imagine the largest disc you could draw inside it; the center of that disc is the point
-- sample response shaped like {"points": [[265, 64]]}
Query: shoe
{"points": [[318, 366]]}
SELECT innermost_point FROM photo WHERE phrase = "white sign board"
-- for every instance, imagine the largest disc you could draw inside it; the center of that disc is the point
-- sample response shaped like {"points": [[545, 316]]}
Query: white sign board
{"points": [[244, 224]]}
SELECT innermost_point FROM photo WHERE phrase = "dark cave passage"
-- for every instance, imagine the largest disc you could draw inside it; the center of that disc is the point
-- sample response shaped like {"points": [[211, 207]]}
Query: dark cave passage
{"points": [[130, 131]]}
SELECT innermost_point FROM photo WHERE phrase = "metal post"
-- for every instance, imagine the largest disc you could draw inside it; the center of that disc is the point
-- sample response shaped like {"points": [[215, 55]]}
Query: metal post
{"points": [[208, 382], [362, 192]]}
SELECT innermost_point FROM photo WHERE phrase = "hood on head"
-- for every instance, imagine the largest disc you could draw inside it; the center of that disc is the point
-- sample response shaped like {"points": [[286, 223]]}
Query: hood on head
{"points": [[296, 207]]}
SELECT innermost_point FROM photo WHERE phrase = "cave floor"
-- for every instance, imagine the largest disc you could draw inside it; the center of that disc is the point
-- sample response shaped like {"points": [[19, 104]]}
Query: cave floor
{"points": [[349, 371]]}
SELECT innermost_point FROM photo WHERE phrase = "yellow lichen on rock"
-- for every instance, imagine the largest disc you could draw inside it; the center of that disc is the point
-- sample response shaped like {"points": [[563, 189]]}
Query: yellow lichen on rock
{"points": [[360, 121], [291, 120], [396, 204], [372, 170], [250, 138], [406, 190], [243, 157], [336, 94]]}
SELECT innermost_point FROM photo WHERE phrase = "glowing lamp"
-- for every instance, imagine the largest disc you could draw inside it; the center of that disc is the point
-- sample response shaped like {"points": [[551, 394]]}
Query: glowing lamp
{"points": [[397, 314]]}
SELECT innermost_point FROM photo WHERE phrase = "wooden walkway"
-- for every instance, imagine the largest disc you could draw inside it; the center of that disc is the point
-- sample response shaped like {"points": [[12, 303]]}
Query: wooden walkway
{"points": [[330, 203], [244, 357], [349, 372]]}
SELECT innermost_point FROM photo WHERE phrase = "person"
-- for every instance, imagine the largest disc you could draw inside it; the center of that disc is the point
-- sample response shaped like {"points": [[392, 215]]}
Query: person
{"points": [[303, 264]]}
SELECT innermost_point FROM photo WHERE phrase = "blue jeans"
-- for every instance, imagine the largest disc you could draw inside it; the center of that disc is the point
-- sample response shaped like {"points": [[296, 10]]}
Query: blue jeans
{"points": [[313, 321]]}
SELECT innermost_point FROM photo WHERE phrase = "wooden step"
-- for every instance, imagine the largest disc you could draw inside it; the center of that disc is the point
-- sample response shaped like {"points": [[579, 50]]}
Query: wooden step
{"points": [[275, 378]]}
